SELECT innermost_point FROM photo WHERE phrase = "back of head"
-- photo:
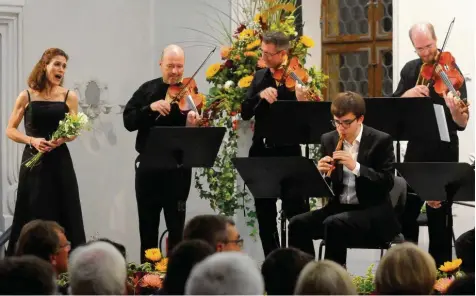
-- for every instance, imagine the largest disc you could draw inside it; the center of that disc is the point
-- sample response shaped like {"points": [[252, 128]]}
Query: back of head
{"points": [[422, 28], [26, 275], [97, 269], [462, 286], [324, 278], [278, 38], [39, 238], [120, 247], [348, 102], [281, 270], [181, 261], [209, 228], [406, 269], [225, 273]]}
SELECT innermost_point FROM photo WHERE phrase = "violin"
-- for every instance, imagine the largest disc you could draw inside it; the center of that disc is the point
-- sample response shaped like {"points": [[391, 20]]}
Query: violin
{"points": [[294, 73], [178, 93], [443, 73]]}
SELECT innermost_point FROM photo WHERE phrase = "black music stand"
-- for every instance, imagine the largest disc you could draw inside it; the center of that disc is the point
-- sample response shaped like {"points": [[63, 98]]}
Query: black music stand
{"points": [[272, 177], [405, 119], [442, 181], [177, 147], [294, 122]]}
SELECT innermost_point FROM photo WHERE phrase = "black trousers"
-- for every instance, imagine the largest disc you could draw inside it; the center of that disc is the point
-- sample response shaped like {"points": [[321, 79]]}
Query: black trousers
{"points": [[266, 212], [157, 190], [439, 232], [440, 235], [340, 225]]}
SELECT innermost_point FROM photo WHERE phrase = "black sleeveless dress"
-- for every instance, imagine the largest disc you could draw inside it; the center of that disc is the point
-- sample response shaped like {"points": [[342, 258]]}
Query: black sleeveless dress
{"points": [[49, 190]]}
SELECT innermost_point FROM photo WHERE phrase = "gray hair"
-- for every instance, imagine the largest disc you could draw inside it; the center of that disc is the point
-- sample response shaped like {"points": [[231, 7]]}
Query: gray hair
{"points": [[225, 273], [324, 277], [97, 269]]}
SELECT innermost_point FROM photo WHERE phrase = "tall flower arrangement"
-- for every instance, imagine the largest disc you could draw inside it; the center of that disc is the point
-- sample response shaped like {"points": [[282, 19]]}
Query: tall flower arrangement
{"points": [[230, 79]]}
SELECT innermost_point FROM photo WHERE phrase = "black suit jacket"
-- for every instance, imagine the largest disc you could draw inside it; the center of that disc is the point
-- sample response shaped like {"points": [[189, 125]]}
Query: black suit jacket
{"points": [[376, 158]]}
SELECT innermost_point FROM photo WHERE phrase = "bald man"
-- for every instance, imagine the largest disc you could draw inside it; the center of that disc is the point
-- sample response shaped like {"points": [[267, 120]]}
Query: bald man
{"points": [[424, 41], [159, 189]]}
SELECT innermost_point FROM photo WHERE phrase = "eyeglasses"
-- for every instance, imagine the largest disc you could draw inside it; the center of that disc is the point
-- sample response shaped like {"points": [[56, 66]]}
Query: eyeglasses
{"points": [[66, 245], [268, 54], [238, 242], [344, 123], [423, 49]]}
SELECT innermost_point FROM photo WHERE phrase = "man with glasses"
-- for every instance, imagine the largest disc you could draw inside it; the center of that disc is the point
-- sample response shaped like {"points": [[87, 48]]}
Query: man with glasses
{"points": [[263, 92], [424, 41], [361, 179]]}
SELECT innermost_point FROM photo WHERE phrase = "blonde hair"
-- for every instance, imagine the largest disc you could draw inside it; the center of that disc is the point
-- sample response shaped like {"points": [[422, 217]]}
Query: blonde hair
{"points": [[324, 277], [406, 269]]}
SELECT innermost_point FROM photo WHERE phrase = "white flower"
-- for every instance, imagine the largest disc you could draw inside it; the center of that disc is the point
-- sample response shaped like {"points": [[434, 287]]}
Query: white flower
{"points": [[229, 84], [219, 86]]}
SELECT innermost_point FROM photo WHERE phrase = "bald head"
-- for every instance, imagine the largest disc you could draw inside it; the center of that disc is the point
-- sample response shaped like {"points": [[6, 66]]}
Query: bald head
{"points": [[421, 29], [172, 50], [172, 63]]}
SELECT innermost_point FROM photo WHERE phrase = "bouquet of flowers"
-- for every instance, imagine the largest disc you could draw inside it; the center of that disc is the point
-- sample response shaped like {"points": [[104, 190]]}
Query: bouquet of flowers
{"points": [[70, 126], [447, 273], [147, 278]]}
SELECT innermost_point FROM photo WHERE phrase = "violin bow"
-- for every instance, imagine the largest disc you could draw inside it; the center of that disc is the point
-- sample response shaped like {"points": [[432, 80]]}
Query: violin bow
{"points": [[194, 74], [441, 50]]}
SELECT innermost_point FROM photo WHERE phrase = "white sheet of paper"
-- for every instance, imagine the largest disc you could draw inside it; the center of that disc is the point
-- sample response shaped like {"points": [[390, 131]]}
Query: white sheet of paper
{"points": [[441, 121], [191, 104]]}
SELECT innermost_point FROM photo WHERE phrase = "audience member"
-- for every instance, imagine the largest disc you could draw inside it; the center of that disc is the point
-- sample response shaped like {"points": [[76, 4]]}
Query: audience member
{"points": [[464, 248], [26, 275], [462, 286], [219, 231], [181, 261], [405, 269], [97, 268], [281, 270], [225, 273], [46, 240], [324, 277]]}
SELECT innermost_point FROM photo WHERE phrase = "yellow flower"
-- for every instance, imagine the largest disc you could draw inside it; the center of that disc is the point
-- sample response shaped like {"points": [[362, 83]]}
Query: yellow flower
{"points": [[253, 44], [161, 266], [245, 81], [442, 284], [257, 17], [250, 54], [153, 254], [246, 33], [451, 266], [306, 41], [151, 280], [212, 70]]}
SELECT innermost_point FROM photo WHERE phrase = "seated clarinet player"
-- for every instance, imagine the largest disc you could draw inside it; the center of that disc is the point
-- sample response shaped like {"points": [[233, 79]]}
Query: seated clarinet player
{"points": [[358, 161]]}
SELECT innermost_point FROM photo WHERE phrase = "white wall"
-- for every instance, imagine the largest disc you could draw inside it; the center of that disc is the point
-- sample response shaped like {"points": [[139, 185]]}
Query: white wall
{"points": [[311, 16], [461, 44]]}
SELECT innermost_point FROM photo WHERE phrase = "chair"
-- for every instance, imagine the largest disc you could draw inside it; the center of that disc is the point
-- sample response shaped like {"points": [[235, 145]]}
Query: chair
{"points": [[398, 196]]}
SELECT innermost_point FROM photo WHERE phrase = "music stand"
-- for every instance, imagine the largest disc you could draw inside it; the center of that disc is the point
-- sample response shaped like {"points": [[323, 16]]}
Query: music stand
{"points": [[442, 181], [405, 119], [181, 147], [294, 122], [272, 177]]}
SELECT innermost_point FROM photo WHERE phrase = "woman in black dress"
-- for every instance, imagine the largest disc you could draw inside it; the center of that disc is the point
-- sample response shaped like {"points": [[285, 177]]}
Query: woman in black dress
{"points": [[49, 190]]}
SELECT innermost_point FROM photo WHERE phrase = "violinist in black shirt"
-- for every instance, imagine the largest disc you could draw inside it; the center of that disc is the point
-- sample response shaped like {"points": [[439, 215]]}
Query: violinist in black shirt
{"points": [[411, 85], [159, 189], [264, 91]]}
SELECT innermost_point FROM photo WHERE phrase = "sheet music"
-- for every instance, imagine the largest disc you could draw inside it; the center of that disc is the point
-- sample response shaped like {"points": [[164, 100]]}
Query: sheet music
{"points": [[191, 104], [441, 120]]}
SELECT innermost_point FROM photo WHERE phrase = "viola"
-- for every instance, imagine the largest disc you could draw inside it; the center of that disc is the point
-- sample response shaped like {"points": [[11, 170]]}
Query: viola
{"points": [[178, 93]]}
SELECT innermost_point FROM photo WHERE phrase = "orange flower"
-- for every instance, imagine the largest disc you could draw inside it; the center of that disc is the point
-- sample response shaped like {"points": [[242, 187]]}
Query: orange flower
{"points": [[151, 280], [451, 266], [237, 57], [250, 54], [153, 254], [261, 63], [442, 284], [225, 52], [161, 266]]}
